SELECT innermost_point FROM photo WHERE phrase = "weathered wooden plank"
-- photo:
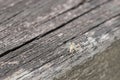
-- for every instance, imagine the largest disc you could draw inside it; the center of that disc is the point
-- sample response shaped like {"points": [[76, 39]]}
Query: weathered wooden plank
{"points": [[67, 33], [25, 29], [77, 12], [7, 3], [55, 39], [63, 61]]}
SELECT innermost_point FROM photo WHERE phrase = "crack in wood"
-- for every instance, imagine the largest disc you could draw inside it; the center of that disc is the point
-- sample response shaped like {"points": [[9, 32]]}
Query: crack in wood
{"points": [[11, 17], [55, 57], [62, 25]]}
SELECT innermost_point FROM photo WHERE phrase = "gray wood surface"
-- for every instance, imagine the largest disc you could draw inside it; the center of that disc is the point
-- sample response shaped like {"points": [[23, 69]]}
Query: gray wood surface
{"points": [[34, 35]]}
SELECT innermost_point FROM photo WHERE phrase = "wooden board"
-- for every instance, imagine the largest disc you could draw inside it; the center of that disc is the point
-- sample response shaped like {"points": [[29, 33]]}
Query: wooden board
{"points": [[34, 35]]}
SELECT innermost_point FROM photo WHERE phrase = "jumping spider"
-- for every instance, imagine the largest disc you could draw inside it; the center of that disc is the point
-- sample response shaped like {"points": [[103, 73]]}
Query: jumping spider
{"points": [[72, 47]]}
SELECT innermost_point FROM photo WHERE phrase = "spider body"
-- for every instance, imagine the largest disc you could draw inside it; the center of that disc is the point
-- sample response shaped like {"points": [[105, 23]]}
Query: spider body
{"points": [[72, 47]]}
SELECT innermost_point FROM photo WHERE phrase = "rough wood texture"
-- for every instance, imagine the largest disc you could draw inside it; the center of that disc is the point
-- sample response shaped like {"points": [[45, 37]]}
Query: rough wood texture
{"points": [[34, 35]]}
